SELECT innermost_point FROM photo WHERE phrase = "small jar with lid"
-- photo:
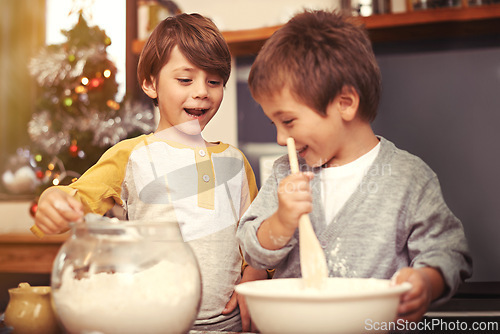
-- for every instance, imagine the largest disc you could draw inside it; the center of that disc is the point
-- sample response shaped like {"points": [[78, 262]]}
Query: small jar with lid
{"points": [[30, 310]]}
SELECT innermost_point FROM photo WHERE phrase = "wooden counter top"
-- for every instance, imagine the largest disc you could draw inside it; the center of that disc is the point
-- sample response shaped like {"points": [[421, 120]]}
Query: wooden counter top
{"points": [[25, 253]]}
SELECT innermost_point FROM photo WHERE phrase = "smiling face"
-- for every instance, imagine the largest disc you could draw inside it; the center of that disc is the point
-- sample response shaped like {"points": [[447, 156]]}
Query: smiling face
{"points": [[188, 97], [320, 139]]}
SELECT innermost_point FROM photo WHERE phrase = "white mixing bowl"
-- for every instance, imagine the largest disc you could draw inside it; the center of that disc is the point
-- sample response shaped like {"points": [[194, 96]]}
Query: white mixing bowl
{"points": [[343, 305]]}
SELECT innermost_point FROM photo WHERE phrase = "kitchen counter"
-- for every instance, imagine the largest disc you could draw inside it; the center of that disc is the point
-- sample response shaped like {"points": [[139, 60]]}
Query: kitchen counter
{"points": [[7, 330], [474, 304], [25, 253], [442, 322], [216, 332]]}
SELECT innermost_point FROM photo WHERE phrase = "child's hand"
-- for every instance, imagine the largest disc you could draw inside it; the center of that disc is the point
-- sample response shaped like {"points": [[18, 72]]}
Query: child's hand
{"points": [[427, 285], [239, 301], [294, 199], [249, 274], [56, 209]]}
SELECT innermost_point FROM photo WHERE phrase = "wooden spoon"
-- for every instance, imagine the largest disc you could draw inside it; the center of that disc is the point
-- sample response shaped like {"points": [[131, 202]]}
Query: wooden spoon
{"points": [[312, 257]]}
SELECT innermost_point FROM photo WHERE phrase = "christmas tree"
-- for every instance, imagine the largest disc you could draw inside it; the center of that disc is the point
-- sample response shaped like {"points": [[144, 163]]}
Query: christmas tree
{"points": [[77, 117]]}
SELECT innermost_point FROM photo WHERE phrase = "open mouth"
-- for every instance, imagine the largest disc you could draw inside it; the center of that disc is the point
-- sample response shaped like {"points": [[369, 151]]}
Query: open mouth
{"points": [[302, 150], [196, 112]]}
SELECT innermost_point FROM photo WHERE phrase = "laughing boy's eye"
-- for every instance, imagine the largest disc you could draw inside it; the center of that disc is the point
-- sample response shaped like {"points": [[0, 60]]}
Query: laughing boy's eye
{"points": [[183, 81], [214, 82], [288, 121]]}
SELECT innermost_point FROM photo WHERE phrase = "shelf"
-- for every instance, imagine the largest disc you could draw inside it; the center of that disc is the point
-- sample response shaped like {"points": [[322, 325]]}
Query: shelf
{"points": [[247, 42], [434, 24], [423, 24], [432, 16], [241, 42]]}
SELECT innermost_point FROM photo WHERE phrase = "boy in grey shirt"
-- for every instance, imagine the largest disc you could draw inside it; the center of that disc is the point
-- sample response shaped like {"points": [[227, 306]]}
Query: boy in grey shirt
{"points": [[377, 210]]}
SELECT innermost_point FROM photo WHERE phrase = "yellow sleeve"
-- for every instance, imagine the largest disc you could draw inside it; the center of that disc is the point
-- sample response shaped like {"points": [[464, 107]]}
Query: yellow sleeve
{"points": [[99, 188], [252, 183], [253, 190]]}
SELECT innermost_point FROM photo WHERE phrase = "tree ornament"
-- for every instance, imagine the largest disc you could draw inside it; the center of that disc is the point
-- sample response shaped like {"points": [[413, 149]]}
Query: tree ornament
{"points": [[80, 90], [113, 104], [33, 208], [95, 83], [19, 176], [73, 149], [68, 102]]}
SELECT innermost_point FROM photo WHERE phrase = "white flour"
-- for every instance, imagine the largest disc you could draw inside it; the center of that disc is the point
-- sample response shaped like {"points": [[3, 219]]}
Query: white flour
{"points": [[162, 298], [338, 265]]}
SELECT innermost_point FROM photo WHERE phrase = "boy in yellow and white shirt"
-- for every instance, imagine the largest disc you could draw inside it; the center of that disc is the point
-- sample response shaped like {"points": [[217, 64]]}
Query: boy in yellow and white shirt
{"points": [[174, 173]]}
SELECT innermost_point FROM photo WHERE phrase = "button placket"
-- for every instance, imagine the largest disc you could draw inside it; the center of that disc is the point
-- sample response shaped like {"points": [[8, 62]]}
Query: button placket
{"points": [[206, 178]]}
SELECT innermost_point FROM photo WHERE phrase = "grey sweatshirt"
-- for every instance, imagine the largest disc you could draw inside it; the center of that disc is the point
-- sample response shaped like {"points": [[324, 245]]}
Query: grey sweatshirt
{"points": [[396, 217]]}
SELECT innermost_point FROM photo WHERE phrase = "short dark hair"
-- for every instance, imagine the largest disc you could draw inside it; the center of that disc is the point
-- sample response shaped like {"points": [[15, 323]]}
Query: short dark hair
{"points": [[197, 38], [315, 55]]}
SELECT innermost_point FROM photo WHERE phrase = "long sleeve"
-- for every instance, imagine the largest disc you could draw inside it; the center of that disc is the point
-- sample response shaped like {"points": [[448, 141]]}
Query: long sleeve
{"points": [[99, 188], [264, 205], [437, 238]]}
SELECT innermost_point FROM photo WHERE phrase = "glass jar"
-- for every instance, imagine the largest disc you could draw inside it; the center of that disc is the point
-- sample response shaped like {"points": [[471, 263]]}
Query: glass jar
{"points": [[126, 277]]}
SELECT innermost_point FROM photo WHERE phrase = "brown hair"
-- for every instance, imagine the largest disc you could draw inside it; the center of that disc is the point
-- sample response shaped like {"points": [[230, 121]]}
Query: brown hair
{"points": [[198, 39], [315, 55]]}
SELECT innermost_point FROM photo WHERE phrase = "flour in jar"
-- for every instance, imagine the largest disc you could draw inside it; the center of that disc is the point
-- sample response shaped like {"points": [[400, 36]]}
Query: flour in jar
{"points": [[162, 298]]}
